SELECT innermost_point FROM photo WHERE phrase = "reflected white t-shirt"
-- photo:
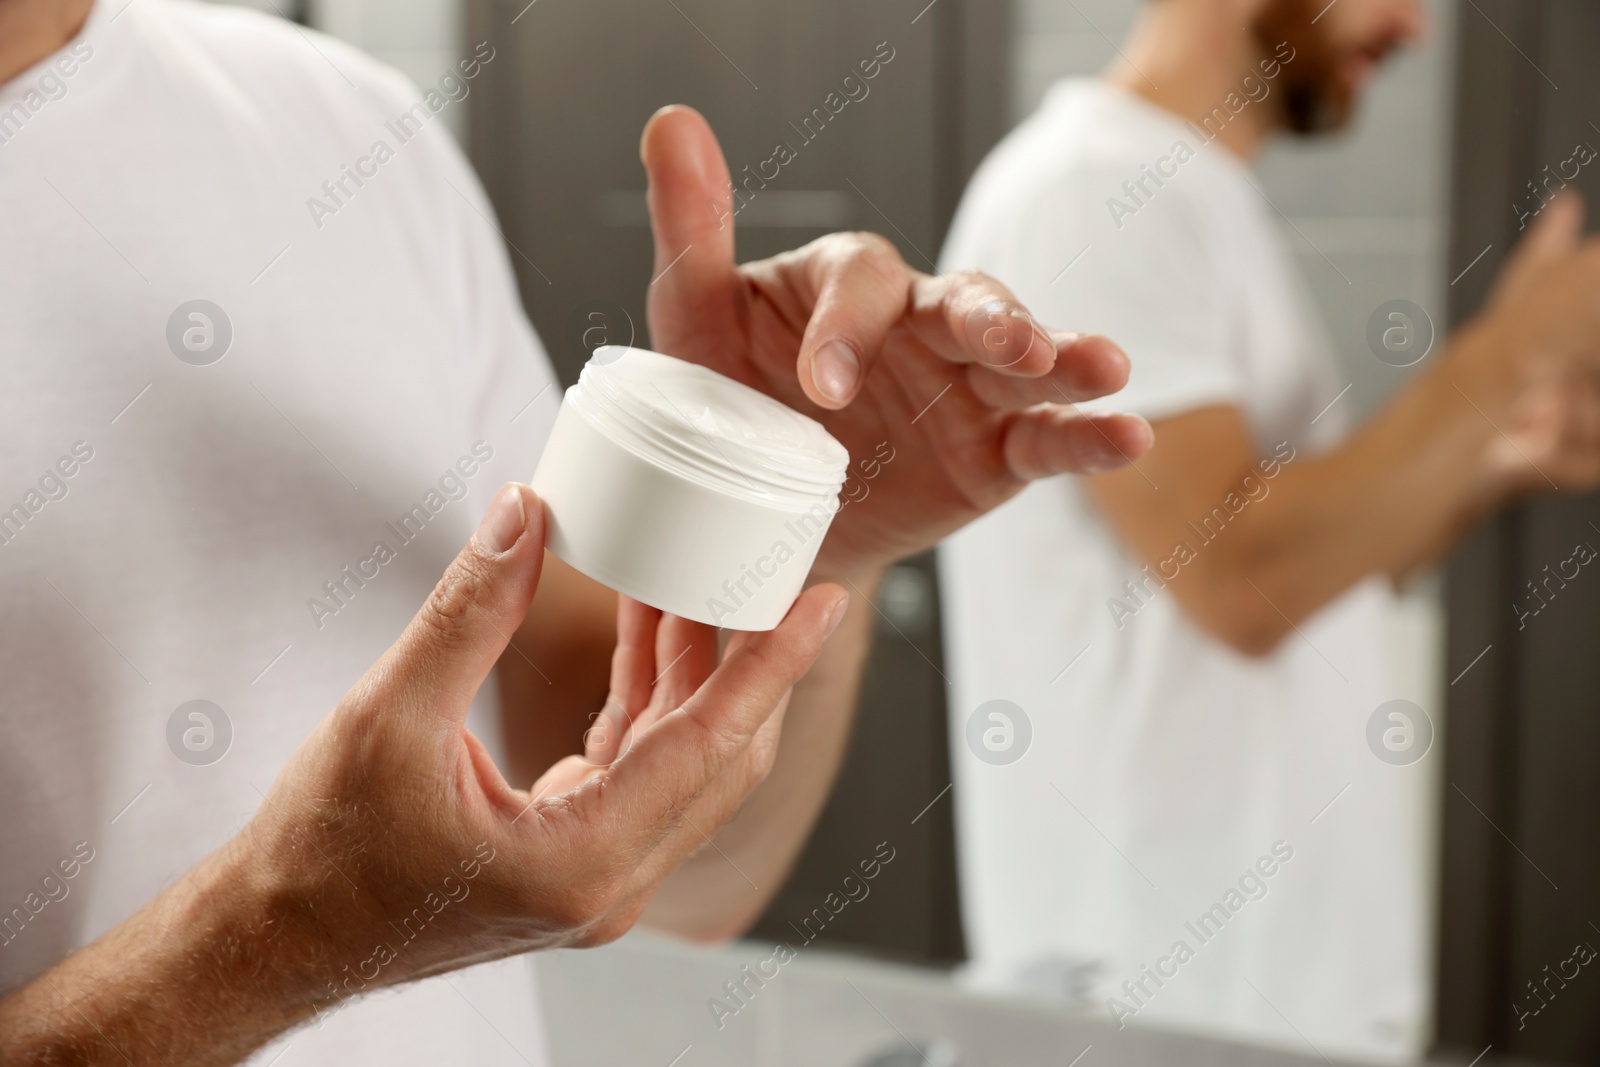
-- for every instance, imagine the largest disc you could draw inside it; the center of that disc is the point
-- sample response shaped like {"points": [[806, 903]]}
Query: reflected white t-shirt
{"points": [[167, 523], [1163, 766]]}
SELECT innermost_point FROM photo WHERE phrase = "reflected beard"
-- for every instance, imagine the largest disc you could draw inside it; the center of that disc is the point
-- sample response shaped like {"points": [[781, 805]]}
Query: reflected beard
{"points": [[1312, 97]]}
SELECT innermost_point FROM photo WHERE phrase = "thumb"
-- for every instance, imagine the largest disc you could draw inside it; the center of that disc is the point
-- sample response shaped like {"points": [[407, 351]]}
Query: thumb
{"points": [[1555, 233], [444, 655], [692, 300]]}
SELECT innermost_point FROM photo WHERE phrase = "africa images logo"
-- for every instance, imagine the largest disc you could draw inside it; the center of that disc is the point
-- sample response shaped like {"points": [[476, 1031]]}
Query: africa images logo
{"points": [[199, 332], [999, 732]]}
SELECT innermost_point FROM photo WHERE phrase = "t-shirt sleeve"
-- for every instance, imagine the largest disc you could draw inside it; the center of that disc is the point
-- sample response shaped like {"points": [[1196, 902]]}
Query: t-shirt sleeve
{"points": [[1140, 275]]}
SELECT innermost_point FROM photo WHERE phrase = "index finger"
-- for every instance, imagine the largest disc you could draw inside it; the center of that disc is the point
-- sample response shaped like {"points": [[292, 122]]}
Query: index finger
{"points": [[863, 289]]}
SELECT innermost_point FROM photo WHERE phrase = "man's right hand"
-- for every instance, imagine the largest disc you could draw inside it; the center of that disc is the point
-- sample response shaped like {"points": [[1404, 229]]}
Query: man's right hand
{"points": [[391, 848], [1511, 406]]}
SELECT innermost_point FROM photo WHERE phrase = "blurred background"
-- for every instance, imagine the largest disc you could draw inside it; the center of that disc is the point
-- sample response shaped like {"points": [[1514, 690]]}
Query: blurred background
{"points": [[1409, 204]]}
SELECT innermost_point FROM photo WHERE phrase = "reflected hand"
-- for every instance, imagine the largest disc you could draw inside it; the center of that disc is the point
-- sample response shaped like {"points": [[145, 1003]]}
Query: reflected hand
{"points": [[1532, 361]]}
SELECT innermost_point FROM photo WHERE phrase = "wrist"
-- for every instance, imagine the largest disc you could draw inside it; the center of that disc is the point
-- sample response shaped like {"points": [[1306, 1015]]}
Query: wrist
{"points": [[1470, 405], [303, 926], [242, 962], [193, 978], [1477, 362]]}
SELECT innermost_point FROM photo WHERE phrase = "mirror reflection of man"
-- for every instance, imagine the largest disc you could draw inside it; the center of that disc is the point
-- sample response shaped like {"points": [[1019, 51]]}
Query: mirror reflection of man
{"points": [[1200, 643]]}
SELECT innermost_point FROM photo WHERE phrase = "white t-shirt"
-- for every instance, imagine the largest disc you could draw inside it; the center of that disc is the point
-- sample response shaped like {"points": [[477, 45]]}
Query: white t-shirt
{"points": [[178, 517], [1162, 765]]}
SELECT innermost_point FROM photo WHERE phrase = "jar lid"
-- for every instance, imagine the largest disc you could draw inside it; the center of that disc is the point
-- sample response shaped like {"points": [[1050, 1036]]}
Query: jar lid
{"points": [[707, 427]]}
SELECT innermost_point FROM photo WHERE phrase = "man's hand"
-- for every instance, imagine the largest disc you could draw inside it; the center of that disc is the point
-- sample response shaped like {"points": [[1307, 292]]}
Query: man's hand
{"points": [[1531, 360], [1510, 406], [393, 791], [949, 376], [391, 848], [950, 371]]}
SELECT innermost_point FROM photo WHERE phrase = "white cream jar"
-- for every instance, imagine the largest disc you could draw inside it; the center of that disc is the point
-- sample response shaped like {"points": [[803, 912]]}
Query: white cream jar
{"points": [[686, 490]]}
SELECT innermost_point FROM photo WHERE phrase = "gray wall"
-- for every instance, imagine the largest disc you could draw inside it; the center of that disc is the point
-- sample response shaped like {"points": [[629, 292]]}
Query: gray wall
{"points": [[420, 38]]}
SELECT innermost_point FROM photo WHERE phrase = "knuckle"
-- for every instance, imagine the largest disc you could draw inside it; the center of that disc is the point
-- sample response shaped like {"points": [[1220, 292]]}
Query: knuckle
{"points": [[875, 245], [787, 660], [721, 739], [977, 297], [446, 610], [976, 282], [358, 717], [745, 776], [763, 757], [361, 731], [877, 253], [832, 249], [866, 251]]}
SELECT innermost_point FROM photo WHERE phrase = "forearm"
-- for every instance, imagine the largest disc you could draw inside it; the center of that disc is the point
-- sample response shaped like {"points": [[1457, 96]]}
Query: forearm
{"points": [[196, 977], [720, 891], [1389, 501]]}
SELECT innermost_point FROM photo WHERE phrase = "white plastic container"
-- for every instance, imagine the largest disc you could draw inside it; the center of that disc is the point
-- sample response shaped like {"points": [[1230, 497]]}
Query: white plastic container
{"points": [[687, 490]]}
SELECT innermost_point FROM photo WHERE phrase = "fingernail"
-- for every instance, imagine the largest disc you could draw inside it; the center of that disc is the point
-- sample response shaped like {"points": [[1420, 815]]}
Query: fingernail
{"points": [[504, 522], [835, 369], [837, 617]]}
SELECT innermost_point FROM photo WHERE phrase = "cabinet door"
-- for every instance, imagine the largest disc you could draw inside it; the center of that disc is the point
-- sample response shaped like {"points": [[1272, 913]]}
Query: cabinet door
{"points": [[1520, 885], [555, 131]]}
